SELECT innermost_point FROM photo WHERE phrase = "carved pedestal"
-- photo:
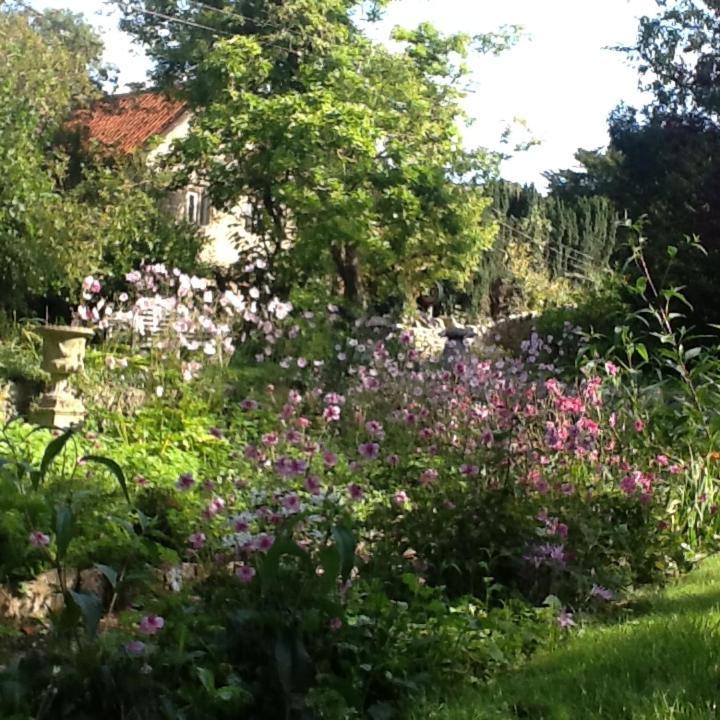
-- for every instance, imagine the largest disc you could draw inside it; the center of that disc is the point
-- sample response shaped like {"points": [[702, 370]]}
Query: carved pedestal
{"points": [[63, 354]]}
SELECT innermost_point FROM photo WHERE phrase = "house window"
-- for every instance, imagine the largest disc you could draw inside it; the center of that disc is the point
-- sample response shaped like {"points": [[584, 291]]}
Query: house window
{"points": [[197, 208], [204, 216], [191, 207]]}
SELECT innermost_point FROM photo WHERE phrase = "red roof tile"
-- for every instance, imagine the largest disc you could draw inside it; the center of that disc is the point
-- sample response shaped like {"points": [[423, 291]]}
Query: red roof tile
{"points": [[124, 123]]}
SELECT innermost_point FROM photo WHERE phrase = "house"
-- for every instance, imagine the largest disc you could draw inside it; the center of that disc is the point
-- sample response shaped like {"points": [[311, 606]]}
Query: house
{"points": [[151, 120]]}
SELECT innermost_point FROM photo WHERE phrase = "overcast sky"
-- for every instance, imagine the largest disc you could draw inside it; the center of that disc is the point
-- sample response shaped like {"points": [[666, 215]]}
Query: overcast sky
{"points": [[561, 79]]}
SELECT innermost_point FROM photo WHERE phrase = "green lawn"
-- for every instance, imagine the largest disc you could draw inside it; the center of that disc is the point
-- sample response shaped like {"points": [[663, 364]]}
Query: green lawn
{"points": [[663, 663]]}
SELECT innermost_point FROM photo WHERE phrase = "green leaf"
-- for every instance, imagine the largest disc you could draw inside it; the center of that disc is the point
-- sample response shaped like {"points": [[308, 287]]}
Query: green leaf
{"points": [[642, 352], [91, 609], [345, 542], [206, 678], [64, 529], [693, 353], [114, 468], [283, 662], [109, 573], [381, 711], [53, 449]]}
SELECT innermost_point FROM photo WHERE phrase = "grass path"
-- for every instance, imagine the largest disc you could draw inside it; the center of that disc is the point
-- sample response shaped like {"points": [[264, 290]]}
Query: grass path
{"points": [[662, 664]]}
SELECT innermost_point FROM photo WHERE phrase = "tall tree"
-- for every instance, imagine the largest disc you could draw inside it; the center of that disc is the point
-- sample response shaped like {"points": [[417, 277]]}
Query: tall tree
{"points": [[677, 53], [349, 149], [53, 231]]}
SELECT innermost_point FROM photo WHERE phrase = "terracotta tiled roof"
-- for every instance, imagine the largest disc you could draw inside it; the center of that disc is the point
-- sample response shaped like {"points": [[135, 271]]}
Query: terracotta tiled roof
{"points": [[124, 123]]}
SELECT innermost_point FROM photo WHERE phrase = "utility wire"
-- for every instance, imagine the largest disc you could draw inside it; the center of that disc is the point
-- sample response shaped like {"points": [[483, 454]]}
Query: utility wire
{"points": [[182, 21], [583, 255], [578, 266]]}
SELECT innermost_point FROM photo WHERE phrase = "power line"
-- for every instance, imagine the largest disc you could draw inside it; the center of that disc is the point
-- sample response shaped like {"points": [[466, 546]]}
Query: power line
{"points": [[578, 266], [183, 21], [584, 256]]}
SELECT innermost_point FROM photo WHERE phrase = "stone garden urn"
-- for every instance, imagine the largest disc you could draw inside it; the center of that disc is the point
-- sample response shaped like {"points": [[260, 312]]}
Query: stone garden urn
{"points": [[63, 354]]}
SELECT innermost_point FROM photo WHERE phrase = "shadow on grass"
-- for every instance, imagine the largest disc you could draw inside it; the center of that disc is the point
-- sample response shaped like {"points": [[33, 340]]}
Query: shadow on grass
{"points": [[663, 664]]}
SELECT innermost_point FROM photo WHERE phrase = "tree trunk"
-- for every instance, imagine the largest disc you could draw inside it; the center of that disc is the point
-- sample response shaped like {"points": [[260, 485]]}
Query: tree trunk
{"points": [[347, 265]]}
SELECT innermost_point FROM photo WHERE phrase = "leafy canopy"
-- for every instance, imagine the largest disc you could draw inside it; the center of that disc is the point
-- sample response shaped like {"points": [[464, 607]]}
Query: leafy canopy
{"points": [[351, 155]]}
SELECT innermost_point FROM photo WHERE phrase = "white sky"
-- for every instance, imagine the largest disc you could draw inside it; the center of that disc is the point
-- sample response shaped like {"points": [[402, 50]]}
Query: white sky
{"points": [[561, 79]]}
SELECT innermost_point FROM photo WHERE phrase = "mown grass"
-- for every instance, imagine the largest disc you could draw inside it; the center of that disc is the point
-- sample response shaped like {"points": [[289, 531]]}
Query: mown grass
{"points": [[661, 663]]}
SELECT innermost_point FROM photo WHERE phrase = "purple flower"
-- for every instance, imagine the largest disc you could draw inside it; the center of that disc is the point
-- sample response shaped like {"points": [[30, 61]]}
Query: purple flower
{"points": [[393, 460], [249, 404], [469, 470], [375, 428], [197, 540], [263, 542], [39, 539], [369, 450], [216, 432], [291, 503], [245, 573], [312, 484], [135, 648], [428, 476], [335, 624], [329, 459], [601, 592], [355, 491], [152, 624], [185, 481]]}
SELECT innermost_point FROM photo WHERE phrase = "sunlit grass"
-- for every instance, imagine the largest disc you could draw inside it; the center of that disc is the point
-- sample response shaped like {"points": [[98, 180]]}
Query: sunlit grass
{"points": [[663, 663]]}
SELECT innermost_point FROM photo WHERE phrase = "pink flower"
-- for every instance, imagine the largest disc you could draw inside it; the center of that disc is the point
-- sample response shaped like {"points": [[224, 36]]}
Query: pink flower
{"points": [[401, 498], [197, 540], [355, 491], [263, 542], [335, 624], [565, 620], [270, 439], [185, 481], [639, 425], [611, 369], [469, 470], [331, 413], [135, 648], [369, 450], [241, 523], [249, 404], [291, 503], [662, 460], [428, 476], [312, 484], [334, 399], [215, 506], [152, 624], [329, 459], [375, 428], [39, 539], [393, 460], [245, 573]]}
